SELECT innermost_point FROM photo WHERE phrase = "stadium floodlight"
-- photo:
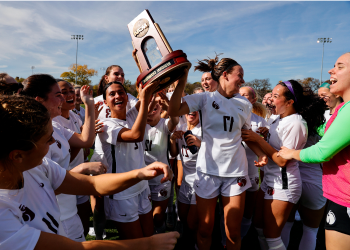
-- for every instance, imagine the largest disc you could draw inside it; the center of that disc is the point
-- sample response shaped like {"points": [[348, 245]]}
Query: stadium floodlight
{"points": [[76, 37], [323, 41]]}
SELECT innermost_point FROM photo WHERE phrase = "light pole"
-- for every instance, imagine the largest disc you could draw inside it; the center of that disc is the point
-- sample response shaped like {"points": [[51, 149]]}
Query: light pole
{"points": [[77, 37], [32, 69], [323, 41]]}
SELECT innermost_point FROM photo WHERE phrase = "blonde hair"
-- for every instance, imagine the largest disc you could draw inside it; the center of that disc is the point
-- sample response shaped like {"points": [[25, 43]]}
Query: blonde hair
{"points": [[259, 109]]}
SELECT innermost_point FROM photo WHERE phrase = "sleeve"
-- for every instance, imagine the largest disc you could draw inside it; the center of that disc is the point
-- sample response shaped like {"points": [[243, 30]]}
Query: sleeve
{"points": [[55, 173], [195, 102], [14, 234], [67, 133], [247, 124], [132, 100], [295, 135], [264, 123], [77, 118], [110, 133], [131, 115], [328, 147]]}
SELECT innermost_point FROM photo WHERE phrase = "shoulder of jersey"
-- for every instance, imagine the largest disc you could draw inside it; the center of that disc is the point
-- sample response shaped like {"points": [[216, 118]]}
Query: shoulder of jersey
{"points": [[98, 98], [183, 127], [74, 115]]}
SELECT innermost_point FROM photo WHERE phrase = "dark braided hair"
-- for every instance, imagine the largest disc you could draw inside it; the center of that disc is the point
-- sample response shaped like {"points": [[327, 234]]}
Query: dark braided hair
{"points": [[307, 104], [103, 81], [24, 123], [215, 67]]}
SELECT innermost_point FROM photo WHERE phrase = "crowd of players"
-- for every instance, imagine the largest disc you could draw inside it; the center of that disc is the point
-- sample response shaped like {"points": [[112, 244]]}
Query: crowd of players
{"points": [[259, 162]]}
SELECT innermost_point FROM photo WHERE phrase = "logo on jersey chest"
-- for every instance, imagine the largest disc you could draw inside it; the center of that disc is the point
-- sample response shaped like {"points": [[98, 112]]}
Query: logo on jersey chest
{"points": [[59, 145], [215, 105], [28, 215]]}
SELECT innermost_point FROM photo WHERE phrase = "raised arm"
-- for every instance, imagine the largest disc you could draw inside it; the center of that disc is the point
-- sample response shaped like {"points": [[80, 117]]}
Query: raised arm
{"points": [[87, 136], [137, 132], [176, 108]]}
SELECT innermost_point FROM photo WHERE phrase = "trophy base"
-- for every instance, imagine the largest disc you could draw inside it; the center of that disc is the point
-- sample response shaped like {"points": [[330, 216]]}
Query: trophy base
{"points": [[168, 71]]}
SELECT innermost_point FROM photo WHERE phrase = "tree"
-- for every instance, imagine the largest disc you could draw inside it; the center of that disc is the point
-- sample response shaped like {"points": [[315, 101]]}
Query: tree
{"points": [[191, 86], [261, 86], [83, 74], [19, 79], [130, 88], [310, 82]]}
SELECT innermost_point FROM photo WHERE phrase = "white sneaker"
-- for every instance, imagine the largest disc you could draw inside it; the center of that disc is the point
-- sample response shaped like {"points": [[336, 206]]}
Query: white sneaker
{"points": [[92, 232]]}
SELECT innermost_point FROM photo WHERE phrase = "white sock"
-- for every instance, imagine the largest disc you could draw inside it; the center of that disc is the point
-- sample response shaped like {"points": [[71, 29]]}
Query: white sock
{"points": [[308, 240], [285, 235], [275, 243], [262, 239], [245, 225]]}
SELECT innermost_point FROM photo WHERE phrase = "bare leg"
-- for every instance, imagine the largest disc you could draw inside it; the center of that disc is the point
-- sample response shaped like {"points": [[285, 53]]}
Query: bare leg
{"points": [[146, 223], [129, 230], [159, 208], [84, 214], [337, 241]]}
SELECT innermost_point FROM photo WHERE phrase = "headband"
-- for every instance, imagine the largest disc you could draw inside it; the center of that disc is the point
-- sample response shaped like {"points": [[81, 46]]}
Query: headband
{"points": [[254, 95], [325, 85], [290, 87]]}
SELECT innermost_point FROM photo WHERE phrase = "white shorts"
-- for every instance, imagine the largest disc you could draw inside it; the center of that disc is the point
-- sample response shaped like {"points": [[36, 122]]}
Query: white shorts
{"points": [[160, 192], [186, 194], [312, 196], [74, 228], [254, 180], [292, 194], [209, 186], [82, 199], [128, 210]]}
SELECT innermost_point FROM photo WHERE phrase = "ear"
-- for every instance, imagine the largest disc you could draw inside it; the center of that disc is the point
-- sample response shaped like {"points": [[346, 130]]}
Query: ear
{"points": [[16, 156], [106, 79], [39, 99], [224, 75], [337, 96]]}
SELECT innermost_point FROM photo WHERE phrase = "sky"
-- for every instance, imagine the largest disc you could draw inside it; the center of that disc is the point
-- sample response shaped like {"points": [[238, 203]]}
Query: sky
{"points": [[275, 40]]}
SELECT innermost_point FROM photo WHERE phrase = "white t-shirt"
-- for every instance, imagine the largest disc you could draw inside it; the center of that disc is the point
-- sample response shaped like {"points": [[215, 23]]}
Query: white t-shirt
{"points": [[127, 156], [327, 115], [59, 152], [80, 113], [106, 112], [256, 122], [27, 211], [73, 123], [221, 152], [156, 146], [291, 132], [311, 173], [188, 159]]}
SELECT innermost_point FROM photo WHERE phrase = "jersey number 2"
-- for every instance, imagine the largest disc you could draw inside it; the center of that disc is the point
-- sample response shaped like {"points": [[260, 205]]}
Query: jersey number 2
{"points": [[230, 119]]}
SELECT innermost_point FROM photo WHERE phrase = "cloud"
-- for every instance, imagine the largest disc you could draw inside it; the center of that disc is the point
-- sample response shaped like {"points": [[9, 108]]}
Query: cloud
{"points": [[3, 66]]}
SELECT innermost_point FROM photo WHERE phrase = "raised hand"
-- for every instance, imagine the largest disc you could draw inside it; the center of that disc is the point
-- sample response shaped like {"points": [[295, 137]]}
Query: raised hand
{"points": [[155, 169], [86, 95], [192, 140]]}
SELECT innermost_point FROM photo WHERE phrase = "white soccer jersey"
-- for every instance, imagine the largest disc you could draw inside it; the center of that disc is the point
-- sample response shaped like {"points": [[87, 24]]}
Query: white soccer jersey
{"points": [[156, 146], [59, 152], [221, 153], [188, 159], [256, 122], [121, 156], [291, 132], [106, 112], [80, 113], [311, 173], [27, 211]]}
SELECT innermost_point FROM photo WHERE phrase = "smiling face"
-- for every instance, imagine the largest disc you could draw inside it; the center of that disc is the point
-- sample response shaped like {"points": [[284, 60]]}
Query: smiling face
{"points": [[233, 80], [78, 100], [247, 93], [34, 157], [279, 103], [208, 84], [193, 118], [267, 99], [154, 116], [340, 75], [54, 101], [68, 94], [115, 75], [116, 98], [330, 99]]}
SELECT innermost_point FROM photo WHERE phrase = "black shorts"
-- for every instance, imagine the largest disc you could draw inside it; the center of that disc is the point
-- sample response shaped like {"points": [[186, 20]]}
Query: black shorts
{"points": [[338, 218]]}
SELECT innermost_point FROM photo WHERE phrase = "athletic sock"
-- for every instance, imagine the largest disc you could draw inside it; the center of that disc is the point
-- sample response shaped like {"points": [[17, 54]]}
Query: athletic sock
{"points": [[308, 240], [99, 221], [245, 225], [262, 239], [275, 243], [285, 235]]}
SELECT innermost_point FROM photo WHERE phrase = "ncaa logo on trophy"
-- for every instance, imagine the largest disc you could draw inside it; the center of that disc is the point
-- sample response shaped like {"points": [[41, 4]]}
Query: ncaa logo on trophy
{"points": [[155, 58]]}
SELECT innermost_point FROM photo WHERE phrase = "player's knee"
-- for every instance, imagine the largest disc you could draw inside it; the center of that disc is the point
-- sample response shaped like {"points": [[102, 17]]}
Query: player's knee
{"points": [[205, 231], [234, 235]]}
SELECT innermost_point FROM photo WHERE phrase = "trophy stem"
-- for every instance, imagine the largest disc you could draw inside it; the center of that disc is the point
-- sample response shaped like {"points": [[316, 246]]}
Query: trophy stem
{"points": [[163, 37]]}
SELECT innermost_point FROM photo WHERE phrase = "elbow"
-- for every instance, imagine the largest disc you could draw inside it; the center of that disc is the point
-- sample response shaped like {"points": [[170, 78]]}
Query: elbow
{"points": [[138, 137], [282, 164]]}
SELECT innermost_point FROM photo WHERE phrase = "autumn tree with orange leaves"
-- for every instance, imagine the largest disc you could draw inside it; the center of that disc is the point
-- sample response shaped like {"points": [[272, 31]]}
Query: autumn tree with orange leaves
{"points": [[83, 74]]}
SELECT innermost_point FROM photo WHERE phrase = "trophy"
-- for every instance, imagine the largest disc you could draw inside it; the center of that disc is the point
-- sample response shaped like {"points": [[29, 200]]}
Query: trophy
{"points": [[156, 60]]}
